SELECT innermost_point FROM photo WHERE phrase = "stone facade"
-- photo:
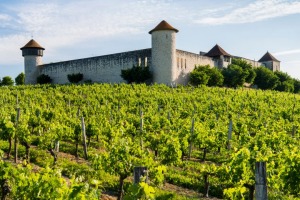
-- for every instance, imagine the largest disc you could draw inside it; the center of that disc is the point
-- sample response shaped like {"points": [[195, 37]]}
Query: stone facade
{"points": [[101, 69], [169, 65]]}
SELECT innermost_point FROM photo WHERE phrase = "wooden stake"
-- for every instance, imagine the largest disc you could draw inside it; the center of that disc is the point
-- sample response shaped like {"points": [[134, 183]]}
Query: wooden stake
{"points": [[16, 136], [261, 181], [84, 138]]}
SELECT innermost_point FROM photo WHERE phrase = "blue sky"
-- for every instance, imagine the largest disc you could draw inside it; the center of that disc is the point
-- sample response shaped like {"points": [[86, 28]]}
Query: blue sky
{"points": [[71, 29]]}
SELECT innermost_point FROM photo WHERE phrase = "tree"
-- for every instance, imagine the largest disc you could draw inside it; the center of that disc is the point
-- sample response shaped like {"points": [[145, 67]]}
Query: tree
{"points": [[20, 79], [296, 85], [7, 81], [136, 74], [43, 79], [234, 76], [205, 75], [265, 78], [75, 78], [286, 83], [246, 67]]}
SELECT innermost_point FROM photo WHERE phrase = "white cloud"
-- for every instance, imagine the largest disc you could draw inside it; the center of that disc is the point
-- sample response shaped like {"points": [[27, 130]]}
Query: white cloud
{"points": [[289, 52], [256, 11]]}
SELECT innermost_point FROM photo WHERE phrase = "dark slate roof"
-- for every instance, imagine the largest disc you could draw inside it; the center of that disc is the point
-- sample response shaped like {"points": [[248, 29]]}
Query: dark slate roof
{"points": [[32, 44], [268, 57], [217, 51], [162, 26]]}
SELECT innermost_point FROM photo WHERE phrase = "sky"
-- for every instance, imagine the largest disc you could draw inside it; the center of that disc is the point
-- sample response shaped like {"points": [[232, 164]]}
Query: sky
{"points": [[73, 29]]}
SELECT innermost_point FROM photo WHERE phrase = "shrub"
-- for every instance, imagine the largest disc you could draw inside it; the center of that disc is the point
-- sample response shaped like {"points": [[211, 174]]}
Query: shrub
{"points": [[7, 81], [265, 78], [136, 74], [234, 76], [20, 79], [205, 75], [75, 78], [43, 79]]}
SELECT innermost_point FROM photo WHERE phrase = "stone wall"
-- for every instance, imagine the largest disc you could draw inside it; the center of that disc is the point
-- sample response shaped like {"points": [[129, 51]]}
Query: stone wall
{"points": [[186, 63], [31, 71], [254, 63], [101, 69]]}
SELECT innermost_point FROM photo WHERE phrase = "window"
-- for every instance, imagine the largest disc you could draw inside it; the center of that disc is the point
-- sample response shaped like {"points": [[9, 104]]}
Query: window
{"points": [[185, 63], [139, 62], [181, 63], [146, 61], [177, 62]]}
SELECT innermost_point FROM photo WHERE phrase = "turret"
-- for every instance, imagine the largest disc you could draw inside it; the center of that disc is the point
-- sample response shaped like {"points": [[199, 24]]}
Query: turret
{"points": [[32, 53], [163, 63], [270, 62], [221, 57]]}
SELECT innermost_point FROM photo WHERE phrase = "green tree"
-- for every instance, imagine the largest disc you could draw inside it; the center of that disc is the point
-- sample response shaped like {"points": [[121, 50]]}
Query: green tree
{"points": [[20, 79], [265, 79], [75, 78], [286, 83], [43, 79], [136, 74], [205, 75], [246, 67], [296, 85], [234, 76], [7, 81]]}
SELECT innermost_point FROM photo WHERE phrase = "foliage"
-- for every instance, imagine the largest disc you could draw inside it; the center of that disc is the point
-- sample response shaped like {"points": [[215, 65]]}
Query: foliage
{"points": [[205, 75], [234, 76], [246, 67], [286, 83], [20, 79], [296, 86], [141, 191], [136, 74], [75, 78], [7, 81], [265, 78], [43, 79]]}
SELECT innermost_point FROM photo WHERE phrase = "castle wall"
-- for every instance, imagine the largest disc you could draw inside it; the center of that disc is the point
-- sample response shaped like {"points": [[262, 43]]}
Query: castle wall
{"points": [[186, 63], [254, 63], [101, 69]]}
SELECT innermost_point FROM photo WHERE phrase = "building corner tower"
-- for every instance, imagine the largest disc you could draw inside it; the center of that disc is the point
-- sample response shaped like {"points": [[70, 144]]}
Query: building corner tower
{"points": [[163, 64], [32, 53]]}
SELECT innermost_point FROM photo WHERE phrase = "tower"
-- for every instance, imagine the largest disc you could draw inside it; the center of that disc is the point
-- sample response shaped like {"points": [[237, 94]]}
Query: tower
{"points": [[163, 52], [32, 53], [269, 61]]}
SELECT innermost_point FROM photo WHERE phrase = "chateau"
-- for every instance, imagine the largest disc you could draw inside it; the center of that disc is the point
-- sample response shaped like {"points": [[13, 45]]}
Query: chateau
{"points": [[169, 65]]}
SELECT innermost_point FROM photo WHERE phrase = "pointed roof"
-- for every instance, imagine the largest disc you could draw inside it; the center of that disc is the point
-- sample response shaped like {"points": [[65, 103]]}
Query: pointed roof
{"points": [[217, 51], [268, 57], [32, 44], [162, 26]]}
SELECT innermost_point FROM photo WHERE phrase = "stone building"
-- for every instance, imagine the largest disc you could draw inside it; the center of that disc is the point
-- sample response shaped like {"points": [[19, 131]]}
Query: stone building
{"points": [[169, 65]]}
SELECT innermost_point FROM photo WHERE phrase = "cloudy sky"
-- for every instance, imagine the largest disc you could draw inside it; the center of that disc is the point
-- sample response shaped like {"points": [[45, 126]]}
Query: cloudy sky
{"points": [[70, 29]]}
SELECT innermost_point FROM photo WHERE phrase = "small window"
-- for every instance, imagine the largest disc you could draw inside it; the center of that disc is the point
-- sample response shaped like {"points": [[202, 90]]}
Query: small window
{"points": [[181, 63], [177, 62], [185, 63], [146, 61], [139, 62]]}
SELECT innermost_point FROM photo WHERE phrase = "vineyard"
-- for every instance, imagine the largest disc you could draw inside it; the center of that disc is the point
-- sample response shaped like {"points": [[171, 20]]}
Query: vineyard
{"points": [[84, 142]]}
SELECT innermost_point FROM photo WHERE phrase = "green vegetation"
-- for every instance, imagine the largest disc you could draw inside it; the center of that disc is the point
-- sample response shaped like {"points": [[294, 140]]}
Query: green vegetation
{"points": [[136, 74], [75, 78], [20, 79], [180, 135], [6, 81], [43, 79]]}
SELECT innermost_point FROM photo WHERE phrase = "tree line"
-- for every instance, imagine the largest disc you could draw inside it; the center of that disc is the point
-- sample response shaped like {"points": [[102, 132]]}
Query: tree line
{"points": [[240, 73], [8, 81]]}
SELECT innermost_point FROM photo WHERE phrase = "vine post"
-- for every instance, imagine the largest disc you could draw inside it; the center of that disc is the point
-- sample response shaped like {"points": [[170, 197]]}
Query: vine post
{"points": [[139, 172], [141, 128], [229, 135], [84, 138], [192, 133], [16, 136], [261, 181]]}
